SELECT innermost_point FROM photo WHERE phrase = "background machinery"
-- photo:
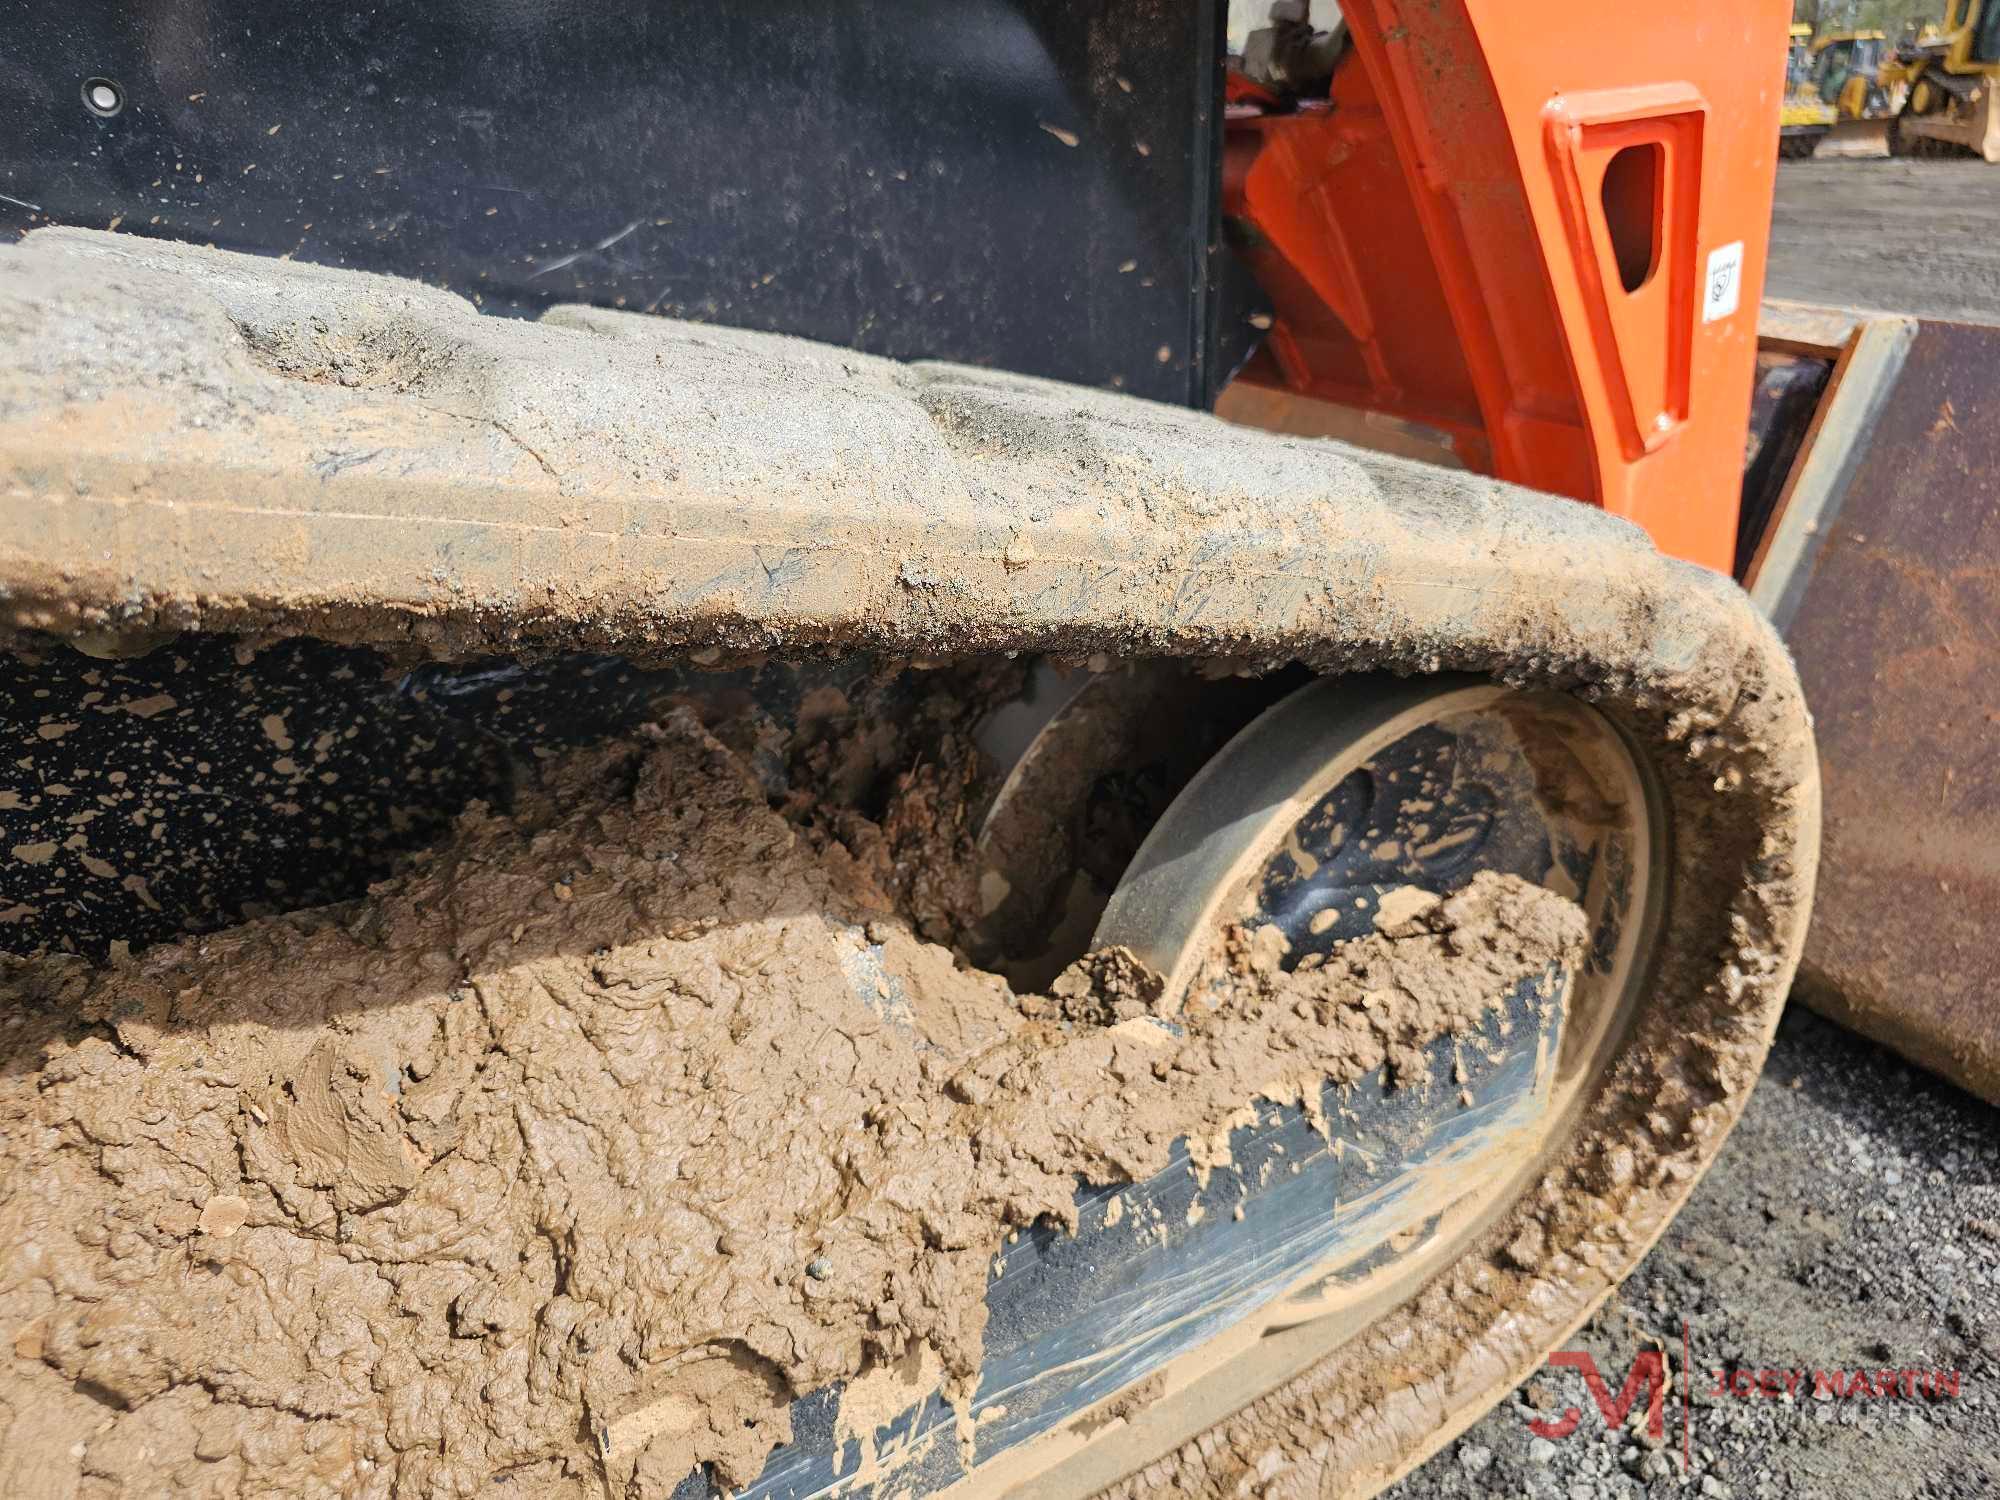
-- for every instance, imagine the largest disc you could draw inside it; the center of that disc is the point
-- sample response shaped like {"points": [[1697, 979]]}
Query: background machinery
{"points": [[1948, 107], [1847, 69], [1805, 118], [834, 379]]}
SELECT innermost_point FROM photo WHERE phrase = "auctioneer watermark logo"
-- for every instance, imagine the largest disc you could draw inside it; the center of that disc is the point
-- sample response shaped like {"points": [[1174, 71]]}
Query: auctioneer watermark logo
{"points": [[1650, 1380]]}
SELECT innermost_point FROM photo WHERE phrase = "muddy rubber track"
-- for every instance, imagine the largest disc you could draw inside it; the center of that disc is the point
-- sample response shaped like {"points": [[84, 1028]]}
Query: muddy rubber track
{"points": [[197, 441]]}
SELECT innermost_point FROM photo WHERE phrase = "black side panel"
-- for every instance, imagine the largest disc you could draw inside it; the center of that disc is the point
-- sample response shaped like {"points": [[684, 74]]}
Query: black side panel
{"points": [[1023, 183]]}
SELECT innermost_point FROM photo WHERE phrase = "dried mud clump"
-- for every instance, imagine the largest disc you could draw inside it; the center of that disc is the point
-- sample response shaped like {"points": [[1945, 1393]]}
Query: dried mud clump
{"points": [[921, 850], [1104, 987], [572, 1154]]}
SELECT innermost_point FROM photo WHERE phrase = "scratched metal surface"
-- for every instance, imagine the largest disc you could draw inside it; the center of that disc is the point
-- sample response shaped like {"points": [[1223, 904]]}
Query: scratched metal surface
{"points": [[1029, 184], [1898, 645]]}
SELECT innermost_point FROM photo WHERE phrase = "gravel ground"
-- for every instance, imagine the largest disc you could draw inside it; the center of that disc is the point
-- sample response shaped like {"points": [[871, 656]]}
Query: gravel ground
{"points": [[1852, 1224], [1902, 235]]}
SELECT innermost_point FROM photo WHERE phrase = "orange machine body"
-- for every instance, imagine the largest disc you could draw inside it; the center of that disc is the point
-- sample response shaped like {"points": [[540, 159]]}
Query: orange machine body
{"points": [[1545, 241]]}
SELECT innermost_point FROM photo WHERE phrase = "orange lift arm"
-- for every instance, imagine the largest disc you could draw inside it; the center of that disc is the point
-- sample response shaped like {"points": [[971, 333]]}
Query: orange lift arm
{"points": [[1566, 286]]}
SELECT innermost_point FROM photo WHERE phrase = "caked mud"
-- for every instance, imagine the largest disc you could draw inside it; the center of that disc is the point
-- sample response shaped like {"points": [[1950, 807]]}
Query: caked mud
{"points": [[604, 482], [576, 1151]]}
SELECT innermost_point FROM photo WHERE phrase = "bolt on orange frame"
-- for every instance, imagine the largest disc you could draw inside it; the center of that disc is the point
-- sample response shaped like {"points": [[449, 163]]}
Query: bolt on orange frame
{"points": [[1540, 233]]}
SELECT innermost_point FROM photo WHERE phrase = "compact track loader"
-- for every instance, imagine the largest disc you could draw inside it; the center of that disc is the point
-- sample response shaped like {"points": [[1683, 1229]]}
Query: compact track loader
{"points": [[680, 822]]}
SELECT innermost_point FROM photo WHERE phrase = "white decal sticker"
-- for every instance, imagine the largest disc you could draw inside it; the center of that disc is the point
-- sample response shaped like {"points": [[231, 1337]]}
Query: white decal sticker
{"points": [[1723, 288]]}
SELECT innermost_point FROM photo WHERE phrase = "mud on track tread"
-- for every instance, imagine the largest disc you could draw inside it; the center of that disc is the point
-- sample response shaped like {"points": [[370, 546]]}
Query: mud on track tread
{"points": [[198, 441]]}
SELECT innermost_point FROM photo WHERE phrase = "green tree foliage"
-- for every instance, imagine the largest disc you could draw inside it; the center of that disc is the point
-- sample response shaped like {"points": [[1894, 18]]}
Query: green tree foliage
{"points": [[1896, 17]]}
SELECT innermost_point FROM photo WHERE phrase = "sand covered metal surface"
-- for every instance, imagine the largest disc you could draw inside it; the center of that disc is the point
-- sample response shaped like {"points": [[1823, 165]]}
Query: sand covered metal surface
{"points": [[576, 1152]]}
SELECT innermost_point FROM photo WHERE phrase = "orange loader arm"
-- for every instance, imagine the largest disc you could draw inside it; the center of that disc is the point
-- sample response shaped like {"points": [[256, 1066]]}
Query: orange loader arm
{"points": [[1567, 287]]}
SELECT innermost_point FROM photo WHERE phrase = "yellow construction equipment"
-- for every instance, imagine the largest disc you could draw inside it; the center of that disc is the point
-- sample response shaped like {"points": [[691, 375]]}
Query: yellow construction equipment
{"points": [[1805, 118], [1847, 74], [1949, 107]]}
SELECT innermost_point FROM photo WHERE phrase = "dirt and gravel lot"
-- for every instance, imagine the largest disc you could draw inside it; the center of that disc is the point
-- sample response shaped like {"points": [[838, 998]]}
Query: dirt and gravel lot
{"points": [[1897, 234], [1852, 1223]]}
